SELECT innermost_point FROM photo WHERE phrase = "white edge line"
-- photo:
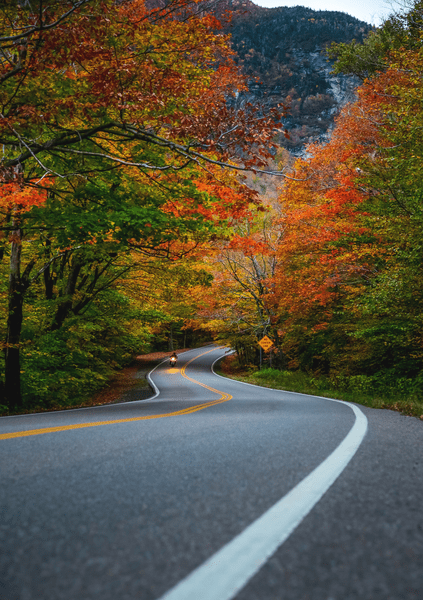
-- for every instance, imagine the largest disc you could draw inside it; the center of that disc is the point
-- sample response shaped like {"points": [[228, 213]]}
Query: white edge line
{"points": [[151, 382], [225, 573], [68, 410], [262, 387], [154, 386]]}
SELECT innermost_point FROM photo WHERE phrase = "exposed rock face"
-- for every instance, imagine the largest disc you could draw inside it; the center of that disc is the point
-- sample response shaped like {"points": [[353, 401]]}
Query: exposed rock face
{"points": [[283, 53]]}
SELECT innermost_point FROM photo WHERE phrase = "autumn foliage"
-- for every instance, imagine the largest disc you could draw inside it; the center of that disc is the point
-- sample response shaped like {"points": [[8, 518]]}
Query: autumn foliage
{"points": [[122, 144], [127, 219], [343, 299], [348, 288]]}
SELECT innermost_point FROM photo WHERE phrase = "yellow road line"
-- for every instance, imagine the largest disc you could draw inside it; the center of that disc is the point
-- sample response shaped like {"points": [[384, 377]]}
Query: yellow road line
{"points": [[185, 411]]}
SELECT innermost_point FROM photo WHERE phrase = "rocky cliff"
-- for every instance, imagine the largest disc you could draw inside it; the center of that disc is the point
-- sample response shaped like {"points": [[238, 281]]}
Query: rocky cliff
{"points": [[283, 53]]}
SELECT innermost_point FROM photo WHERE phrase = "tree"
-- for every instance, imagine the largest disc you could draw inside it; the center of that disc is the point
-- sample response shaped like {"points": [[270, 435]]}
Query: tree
{"points": [[401, 30], [351, 252], [236, 308], [137, 160]]}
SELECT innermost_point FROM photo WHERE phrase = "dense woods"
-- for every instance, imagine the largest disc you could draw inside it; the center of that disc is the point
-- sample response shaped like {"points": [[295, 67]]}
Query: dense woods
{"points": [[345, 301], [138, 209], [119, 150]]}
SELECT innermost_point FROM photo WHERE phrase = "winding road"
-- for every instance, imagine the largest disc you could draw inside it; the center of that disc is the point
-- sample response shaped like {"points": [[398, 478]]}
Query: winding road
{"points": [[212, 490]]}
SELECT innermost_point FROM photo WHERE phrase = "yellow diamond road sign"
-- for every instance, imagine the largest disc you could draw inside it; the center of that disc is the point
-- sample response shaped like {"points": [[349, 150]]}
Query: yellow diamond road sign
{"points": [[266, 343]]}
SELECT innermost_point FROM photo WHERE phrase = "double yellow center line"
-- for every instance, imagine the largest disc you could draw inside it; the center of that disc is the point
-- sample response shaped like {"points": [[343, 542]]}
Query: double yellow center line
{"points": [[185, 411]]}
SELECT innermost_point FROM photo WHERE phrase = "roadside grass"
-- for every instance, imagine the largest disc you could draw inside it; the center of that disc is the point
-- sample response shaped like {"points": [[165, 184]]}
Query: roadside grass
{"points": [[359, 389]]}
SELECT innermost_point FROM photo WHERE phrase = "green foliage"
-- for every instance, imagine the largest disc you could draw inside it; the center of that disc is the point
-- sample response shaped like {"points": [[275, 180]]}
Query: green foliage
{"points": [[65, 366], [362, 59], [103, 181], [366, 57]]}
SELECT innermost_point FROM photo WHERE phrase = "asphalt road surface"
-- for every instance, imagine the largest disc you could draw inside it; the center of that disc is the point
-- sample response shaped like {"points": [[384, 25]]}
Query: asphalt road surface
{"points": [[212, 490]]}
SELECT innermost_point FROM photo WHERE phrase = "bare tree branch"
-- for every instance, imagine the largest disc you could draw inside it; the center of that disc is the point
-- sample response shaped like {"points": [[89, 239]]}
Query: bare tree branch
{"points": [[42, 27]]}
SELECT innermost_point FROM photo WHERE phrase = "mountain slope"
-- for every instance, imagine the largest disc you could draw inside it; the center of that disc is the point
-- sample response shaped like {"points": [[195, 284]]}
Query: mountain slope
{"points": [[282, 51]]}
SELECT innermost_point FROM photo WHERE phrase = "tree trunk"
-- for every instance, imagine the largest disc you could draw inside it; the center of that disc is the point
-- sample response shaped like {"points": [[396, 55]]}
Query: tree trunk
{"points": [[65, 306], [14, 325], [48, 280]]}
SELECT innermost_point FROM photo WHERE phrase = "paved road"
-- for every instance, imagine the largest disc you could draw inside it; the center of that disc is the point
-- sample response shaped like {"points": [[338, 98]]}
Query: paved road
{"points": [[121, 503]]}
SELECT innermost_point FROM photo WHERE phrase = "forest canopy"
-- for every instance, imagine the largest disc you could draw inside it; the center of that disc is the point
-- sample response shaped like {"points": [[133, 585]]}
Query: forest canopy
{"points": [[344, 298], [120, 159], [130, 171]]}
